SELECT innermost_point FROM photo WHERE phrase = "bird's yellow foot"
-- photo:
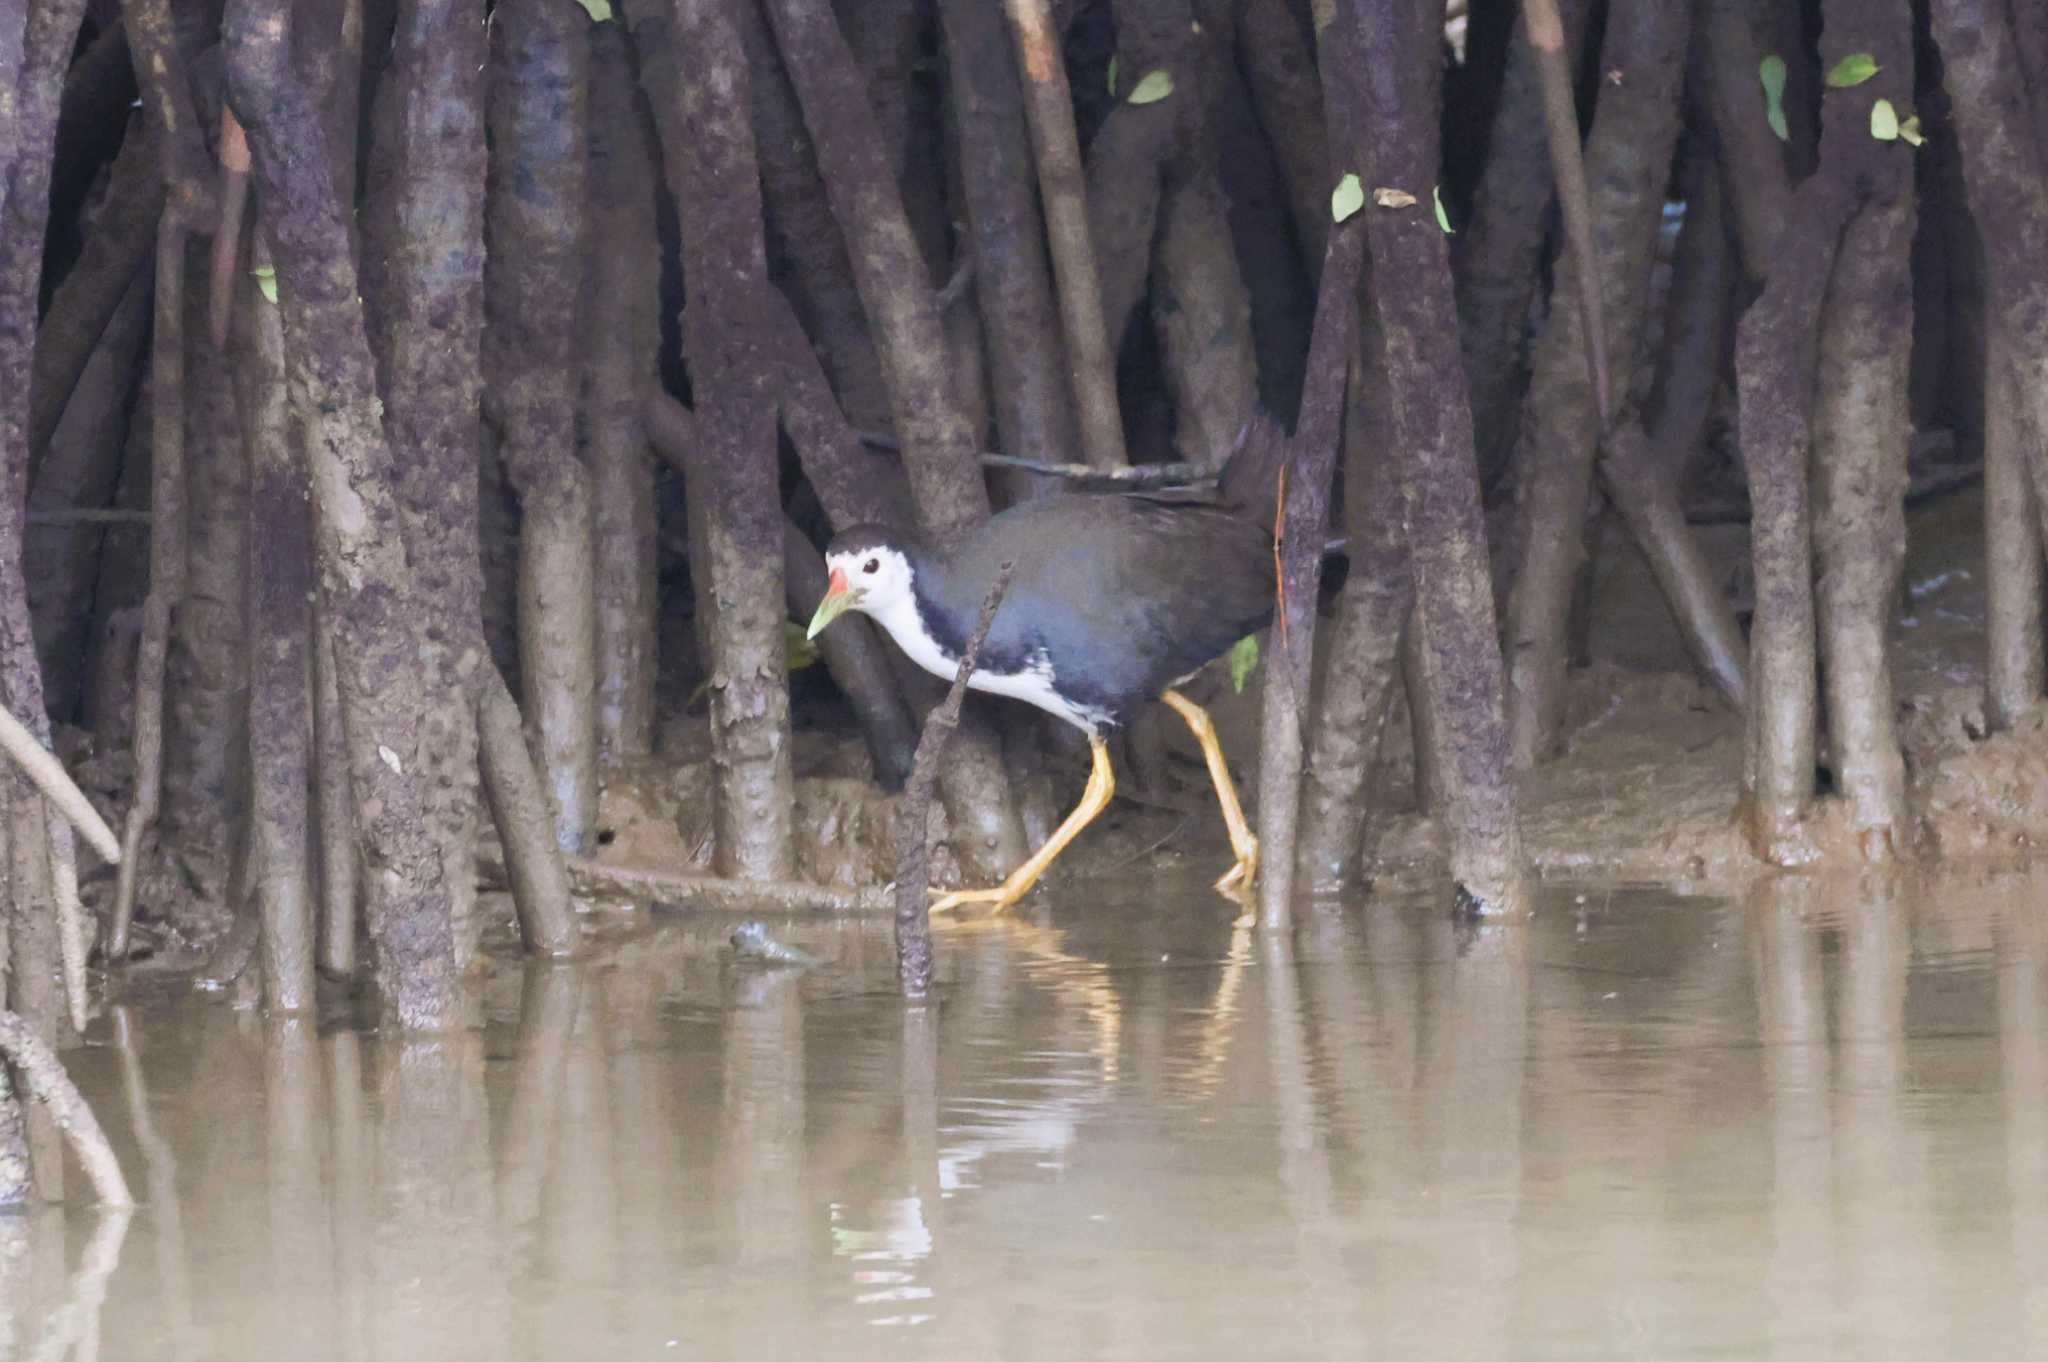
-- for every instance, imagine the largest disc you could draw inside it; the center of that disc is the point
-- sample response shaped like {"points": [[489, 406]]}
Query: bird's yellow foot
{"points": [[945, 901], [1240, 876]]}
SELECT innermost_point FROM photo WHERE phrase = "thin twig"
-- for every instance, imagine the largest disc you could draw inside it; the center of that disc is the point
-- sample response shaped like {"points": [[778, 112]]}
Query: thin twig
{"points": [[49, 1084], [913, 907], [1138, 478], [56, 785]]}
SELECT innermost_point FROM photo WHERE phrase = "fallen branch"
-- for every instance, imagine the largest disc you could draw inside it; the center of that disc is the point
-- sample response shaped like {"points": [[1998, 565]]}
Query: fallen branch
{"points": [[47, 1082], [687, 889], [55, 784], [913, 903]]}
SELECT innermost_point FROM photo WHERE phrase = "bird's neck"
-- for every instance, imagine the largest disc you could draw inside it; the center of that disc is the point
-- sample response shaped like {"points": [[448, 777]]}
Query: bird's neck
{"points": [[926, 623]]}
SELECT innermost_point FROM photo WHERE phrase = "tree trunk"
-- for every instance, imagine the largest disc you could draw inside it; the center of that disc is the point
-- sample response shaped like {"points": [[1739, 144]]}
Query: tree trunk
{"points": [[1861, 425], [278, 580], [1776, 358], [939, 449], [1628, 163], [2005, 164], [368, 593], [1365, 641], [1090, 348], [1431, 422], [1752, 158], [2012, 555], [714, 174], [1498, 256], [1013, 273], [82, 468], [622, 266], [533, 273]]}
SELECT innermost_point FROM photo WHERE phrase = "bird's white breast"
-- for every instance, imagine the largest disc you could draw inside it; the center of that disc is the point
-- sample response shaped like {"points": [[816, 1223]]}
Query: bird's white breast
{"points": [[1034, 684]]}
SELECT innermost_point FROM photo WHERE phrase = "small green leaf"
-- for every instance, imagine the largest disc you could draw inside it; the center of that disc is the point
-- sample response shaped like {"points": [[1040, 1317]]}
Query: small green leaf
{"points": [[1244, 659], [266, 282], [1347, 198], [1443, 219], [1771, 71], [1910, 130], [1853, 69], [1884, 121], [600, 11], [1112, 77], [1153, 87]]}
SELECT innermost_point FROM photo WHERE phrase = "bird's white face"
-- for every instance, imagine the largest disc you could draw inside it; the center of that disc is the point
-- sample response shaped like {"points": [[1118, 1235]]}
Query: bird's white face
{"points": [[875, 581]]}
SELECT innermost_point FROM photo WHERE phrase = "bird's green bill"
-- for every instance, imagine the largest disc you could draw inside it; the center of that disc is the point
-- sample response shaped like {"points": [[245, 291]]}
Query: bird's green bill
{"points": [[839, 598]]}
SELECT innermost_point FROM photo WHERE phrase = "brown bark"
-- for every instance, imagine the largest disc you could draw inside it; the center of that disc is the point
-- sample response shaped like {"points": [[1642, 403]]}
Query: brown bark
{"points": [[1498, 254], [533, 275], [424, 286], [1753, 159], [1090, 349], [1861, 425], [1365, 642], [1776, 356], [278, 581], [938, 445], [939, 449], [166, 568], [622, 338], [802, 233], [81, 468], [120, 247], [1280, 67], [855, 484], [340, 863], [1628, 161], [43, 865], [1431, 423], [2012, 557], [206, 681], [1202, 314], [713, 172], [368, 594], [1699, 323], [1034, 415], [1299, 547], [519, 805], [1641, 479], [2005, 164]]}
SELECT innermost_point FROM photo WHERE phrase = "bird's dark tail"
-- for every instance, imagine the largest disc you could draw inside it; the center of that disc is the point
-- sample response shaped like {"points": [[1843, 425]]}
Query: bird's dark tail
{"points": [[1249, 482]]}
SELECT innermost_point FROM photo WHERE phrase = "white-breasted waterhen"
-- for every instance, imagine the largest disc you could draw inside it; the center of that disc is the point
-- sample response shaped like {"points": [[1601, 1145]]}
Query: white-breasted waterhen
{"points": [[1115, 599]]}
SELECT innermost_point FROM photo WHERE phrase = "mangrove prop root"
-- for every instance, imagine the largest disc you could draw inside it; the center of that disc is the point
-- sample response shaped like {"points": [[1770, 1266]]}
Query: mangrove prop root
{"points": [[49, 776], [47, 1083]]}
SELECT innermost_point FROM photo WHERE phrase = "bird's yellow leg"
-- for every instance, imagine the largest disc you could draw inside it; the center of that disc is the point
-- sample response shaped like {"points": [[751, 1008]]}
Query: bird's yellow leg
{"points": [[1094, 799], [1241, 839]]}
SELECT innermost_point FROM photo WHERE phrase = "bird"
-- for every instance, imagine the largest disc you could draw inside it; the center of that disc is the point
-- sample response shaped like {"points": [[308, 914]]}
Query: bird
{"points": [[1116, 600]]}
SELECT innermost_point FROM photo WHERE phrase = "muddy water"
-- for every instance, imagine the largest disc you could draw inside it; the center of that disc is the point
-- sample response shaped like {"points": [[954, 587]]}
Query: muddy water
{"points": [[1813, 1123]]}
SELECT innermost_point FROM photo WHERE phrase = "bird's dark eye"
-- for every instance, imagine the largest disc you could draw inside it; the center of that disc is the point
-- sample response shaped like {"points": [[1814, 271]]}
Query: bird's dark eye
{"points": [[871, 566]]}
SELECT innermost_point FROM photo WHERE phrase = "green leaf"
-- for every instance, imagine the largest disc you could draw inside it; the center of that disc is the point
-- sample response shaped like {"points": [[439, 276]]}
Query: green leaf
{"points": [[1244, 659], [1910, 130], [1443, 219], [1884, 121], [266, 282], [1112, 76], [797, 649], [1347, 198], [1155, 86], [1771, 71], [1853, 69], [599, 10]]}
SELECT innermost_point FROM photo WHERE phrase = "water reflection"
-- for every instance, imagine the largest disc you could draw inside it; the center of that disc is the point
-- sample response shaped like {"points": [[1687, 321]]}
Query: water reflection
{"points": [[1810, 1122]]}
